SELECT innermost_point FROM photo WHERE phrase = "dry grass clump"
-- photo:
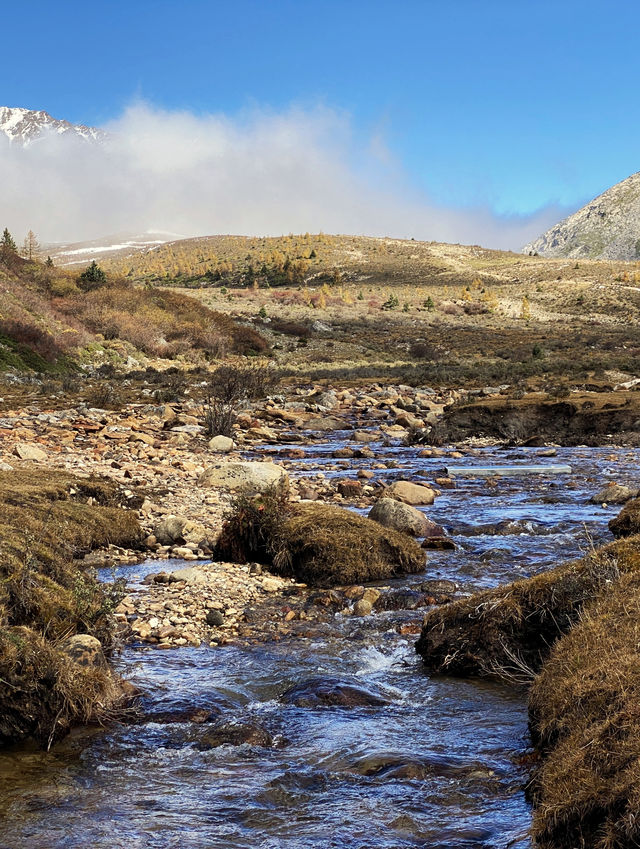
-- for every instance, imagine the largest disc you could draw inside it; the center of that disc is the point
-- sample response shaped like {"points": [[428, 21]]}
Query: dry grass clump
{"points": [[585, 716], [507, 632], [46, 519], [319, 544], [627, 522]]}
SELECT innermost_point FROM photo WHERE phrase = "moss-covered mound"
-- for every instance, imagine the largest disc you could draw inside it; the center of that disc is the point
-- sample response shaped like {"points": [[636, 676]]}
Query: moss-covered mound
{"points": [[508, 631], [585, 716], [316, 543], [627, 522], [46, 519]]}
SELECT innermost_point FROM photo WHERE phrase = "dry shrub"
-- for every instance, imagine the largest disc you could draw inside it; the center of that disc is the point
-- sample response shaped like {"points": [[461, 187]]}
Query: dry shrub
{"points": [[507, 632], [46, 519], [449, 308], [159, 322], [230, 386], [35, 337], [585, 717], [319, 544], [291, 328]]}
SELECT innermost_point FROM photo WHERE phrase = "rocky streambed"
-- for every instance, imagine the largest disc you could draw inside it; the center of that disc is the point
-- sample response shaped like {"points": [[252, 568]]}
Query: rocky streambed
{"points": [[303, 718]]}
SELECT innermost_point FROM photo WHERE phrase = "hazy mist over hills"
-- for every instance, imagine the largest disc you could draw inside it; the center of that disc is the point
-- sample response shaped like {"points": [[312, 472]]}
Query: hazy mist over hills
{"points": [[264, 173]]}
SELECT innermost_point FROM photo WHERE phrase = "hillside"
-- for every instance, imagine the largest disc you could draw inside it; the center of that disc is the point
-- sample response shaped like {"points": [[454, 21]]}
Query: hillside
{"points": [[50, 320], [606, 228], [355, 307]]}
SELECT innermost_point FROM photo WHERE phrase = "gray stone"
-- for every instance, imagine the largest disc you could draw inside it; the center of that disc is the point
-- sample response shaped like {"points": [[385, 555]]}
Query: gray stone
{"points": [[221, 444], [29, 451], [215, 618], [170, 530], [244, 475], [614, 493], [400, 517]]}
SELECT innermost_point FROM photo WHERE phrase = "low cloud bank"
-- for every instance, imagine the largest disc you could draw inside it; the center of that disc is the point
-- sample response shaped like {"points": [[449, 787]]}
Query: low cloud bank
{"points": [[261, 174]]}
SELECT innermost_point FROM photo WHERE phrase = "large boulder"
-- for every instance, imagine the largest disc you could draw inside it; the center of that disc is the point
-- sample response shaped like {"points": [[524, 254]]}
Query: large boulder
{"points": [[404, 518], [170, 530], [410, 493], [251, 477], [30, 451], [613, 493], [84, 650]]}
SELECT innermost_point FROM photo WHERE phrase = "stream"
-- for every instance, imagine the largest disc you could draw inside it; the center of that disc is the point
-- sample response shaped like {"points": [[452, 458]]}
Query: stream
{"points": [[439, 765]]}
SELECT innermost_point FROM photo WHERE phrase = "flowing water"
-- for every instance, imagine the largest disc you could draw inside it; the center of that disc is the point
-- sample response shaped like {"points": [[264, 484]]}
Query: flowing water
{"points": [[438, 766]]}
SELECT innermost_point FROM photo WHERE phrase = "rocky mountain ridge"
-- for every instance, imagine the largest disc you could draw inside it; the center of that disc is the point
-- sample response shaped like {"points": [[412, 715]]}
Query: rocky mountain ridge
{"points": [[25, 126], [608, 227]]}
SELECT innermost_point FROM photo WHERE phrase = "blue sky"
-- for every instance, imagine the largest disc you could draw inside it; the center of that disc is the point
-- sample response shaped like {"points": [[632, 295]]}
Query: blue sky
{"points": [[512, 105]]}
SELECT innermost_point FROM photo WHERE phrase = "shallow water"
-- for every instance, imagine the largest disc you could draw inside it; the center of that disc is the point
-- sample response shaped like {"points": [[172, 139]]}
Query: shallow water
{"points": [[436, 767]]}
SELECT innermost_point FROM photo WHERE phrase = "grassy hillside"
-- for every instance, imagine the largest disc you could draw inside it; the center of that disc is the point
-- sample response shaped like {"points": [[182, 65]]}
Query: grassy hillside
{"points": [[50, 320], [342, 306]]}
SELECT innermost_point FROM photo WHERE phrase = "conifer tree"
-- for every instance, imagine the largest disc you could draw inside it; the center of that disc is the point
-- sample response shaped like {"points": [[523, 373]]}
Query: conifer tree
{"points": [[7, 242]]}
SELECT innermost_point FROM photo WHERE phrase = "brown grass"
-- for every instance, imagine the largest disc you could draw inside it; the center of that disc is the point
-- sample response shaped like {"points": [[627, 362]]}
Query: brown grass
{"points": [[46, 521], [319, 544], [627, 522], [507, 632], [585, 716]]}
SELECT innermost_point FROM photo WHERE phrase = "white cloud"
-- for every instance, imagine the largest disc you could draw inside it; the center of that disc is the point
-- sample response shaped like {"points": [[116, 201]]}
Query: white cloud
{"points": [[263, 173]]}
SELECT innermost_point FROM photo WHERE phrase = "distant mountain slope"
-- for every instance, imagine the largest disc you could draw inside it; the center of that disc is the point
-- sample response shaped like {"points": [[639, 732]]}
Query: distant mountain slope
{"points": [[606, 228], [24, 126]]}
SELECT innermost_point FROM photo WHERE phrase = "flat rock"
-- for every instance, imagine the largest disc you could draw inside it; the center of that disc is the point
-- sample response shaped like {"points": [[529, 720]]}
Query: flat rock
{"points": [[251, 476], [410, 493], [29, 451]]}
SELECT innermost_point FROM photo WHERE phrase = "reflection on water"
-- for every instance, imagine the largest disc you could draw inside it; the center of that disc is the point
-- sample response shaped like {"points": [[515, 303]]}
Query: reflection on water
{"points": [[435, 767]]}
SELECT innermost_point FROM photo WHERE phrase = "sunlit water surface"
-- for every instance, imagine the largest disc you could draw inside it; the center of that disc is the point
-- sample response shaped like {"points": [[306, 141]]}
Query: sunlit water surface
{"points": [[436, 767]]}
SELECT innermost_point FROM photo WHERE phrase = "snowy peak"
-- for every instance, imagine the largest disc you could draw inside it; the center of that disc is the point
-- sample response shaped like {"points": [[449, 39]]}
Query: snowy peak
{"points": [[24, 126]]}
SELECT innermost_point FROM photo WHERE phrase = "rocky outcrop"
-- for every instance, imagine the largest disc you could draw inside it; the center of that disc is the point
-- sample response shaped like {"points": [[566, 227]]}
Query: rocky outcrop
{"points": [[608, 227]]}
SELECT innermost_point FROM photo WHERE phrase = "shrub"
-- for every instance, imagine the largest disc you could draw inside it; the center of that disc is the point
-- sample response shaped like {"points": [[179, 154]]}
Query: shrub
{"points": [[228, 387]]}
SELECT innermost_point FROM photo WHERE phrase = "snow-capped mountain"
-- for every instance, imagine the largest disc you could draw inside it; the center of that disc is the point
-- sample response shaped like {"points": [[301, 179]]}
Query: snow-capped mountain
{"points": [[24, 126]]}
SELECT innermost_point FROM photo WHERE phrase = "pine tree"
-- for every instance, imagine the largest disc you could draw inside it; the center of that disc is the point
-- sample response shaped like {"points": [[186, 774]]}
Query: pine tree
{"points": [[92, 277], [7, 243], [49, 262]]}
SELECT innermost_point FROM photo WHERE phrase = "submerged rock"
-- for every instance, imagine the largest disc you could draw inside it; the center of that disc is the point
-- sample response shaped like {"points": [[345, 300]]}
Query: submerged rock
{"points": [[331, 692], [234, 732]]}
